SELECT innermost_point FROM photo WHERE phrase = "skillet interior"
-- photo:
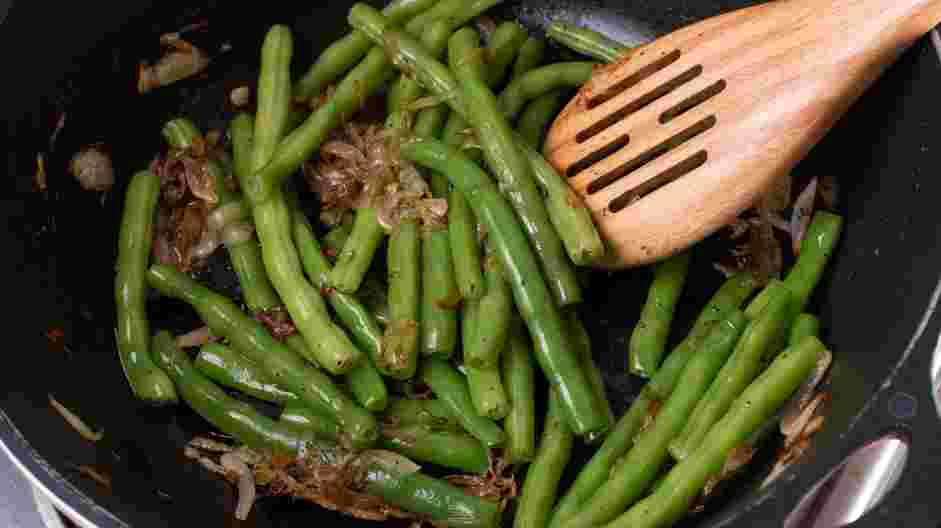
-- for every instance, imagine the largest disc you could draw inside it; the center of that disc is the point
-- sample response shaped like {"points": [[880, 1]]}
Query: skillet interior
{"points": [[61, 248]]}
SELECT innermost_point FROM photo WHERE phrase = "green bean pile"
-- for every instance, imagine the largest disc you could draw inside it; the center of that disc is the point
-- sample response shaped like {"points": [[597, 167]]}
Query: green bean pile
{"points": [[470, 310]]}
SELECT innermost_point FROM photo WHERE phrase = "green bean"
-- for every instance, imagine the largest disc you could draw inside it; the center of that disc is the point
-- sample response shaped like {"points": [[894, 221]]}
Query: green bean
{"points": [[343, 54], [434, 414], [760, 341], [544, 474], [818, 245], [805, 325], [406, 90], [541, 81], [181, 133], [729, 297], [274, 94], [504, 46], [372, 291], [246, 258], [360, 248], [336, 237], [530, 56], [672, 499], [595, 473], [431, 498], [364, 80], [444, 448], [582, 343], [649, 339], [511, 168], [249, 337], [533, 299], [642, 463], [364, 379], [772, 289], [305, 418], [539, 114], [147, 381], [487, 392], [456, 12], [465, 247], [432, 120], [400, 343], [567, 212], [492, 326], [587, 42], [451, 388], [231, 416], [230, 369], [519, 379]]}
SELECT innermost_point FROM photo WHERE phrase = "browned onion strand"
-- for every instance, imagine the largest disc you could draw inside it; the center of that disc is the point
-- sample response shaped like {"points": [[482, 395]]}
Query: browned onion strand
{"points": [[801, 215], [195, 338], [92, 167], [231, 462], [237, 233], [75, 422], [183, 60]]}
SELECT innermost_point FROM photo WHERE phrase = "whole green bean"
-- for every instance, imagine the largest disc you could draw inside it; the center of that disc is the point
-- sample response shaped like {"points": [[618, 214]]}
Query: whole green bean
{"points": [[569, 216], [435, 414], [492, 326], [336, 237], [451, 388], [543, 476], [400, 345], [595, 473], [431, 498], [147, 381], [558, 361], [530, 56], [519, 379], [510, 166], [230, 369], [805, 325], [649, 339], [465, 247], [587, 42], [730, 296], [487, 392], [181, 133], [539, 114], [457, 12], [354, 260], [231, 416], [817, 248], [582, 343], [364, 80], [760, 302], [343, 54], [246, 258], [305, 418], [406, 90], [642, 463], [444, 448], [541, 81], [672, 499], [760, 341], [274, 94], [250, 338], [372, 291], [504, 46]]}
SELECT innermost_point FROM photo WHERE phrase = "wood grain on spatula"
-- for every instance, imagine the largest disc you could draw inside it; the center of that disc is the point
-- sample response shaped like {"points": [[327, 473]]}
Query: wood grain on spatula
{"points": [[674, 142]]}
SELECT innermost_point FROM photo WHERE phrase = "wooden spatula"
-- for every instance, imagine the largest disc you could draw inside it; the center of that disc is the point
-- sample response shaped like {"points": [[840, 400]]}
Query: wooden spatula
{"points": [[672, 143]]}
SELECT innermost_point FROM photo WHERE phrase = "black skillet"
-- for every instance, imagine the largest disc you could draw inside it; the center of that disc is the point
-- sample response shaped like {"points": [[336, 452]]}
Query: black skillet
{"points": [[878, 302]]}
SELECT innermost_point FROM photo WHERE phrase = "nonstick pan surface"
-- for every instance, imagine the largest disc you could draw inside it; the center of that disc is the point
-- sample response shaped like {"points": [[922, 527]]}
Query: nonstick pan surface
{"points": [[878, 302]]}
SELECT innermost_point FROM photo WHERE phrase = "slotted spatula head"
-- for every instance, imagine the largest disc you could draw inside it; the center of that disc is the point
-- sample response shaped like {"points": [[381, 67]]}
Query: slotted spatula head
{"points": [[673, 142]]}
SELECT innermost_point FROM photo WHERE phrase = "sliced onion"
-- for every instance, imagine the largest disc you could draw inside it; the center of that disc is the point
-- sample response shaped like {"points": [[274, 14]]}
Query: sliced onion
{"points": [[246, 483], [172, 67], [199, 180], [791, 414], [77, 423], [195, 338], [778, 197], [800, 217], [344, 151], [226, 214], [206, 246], [237, 233], [92, 168], [829, 190], [240, 96]]}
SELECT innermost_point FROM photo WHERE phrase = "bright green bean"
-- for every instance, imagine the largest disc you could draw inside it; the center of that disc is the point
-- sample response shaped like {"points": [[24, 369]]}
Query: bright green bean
{"points": [[649, 339], [492, 326], [358, 252], [539, 114], [541, 81], [544, 474], [305, 418], [465, 247], [504, 46], [433, 414], [817, 248], [439, 295], [558, 361], [519, 379], [672, 499], [230, 369], [805, 325], [582, 342], [400, 344], [250, 338], [181, 133], [147, 381], [274, 94], [760, 302], [587, 42], [444, 448], [530, 56], [451, 388], [487, 392]]}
